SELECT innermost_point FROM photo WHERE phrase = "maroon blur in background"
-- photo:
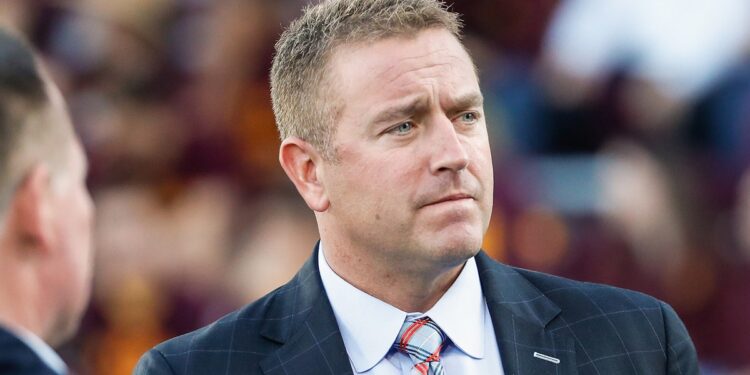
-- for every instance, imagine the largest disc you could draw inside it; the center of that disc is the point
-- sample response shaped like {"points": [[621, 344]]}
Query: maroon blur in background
{"points": [[612, 176]]}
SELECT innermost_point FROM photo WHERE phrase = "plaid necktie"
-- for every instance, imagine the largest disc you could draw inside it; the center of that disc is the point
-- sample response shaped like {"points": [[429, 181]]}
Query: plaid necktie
{"points": [[422, 340]]}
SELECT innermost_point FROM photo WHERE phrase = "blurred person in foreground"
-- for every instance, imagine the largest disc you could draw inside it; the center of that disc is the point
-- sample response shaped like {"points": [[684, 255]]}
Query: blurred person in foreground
{"points": [[45, 217], [381, 116]]}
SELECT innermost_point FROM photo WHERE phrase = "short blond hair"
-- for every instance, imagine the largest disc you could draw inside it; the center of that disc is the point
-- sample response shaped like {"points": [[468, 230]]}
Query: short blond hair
{"points": [[298, 74], [27, 134]]}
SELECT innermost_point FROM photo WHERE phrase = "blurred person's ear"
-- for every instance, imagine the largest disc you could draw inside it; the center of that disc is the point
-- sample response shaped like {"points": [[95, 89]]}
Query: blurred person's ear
{"points": [[30, 210], [301, 162]]}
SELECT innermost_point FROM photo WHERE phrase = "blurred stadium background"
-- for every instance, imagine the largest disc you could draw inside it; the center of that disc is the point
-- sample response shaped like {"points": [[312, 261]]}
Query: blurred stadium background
{"points": [[621, 142]]}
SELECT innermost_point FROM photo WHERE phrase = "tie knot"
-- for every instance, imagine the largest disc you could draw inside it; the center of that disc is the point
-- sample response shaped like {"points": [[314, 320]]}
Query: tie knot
{"points": [[421, 339]]}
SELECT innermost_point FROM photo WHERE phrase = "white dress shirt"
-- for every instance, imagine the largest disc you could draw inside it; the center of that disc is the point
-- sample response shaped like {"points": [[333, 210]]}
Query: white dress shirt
{"points": [[41, 349], [369, 326]]}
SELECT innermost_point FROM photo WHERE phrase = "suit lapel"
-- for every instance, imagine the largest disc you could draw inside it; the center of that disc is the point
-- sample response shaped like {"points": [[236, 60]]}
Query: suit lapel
{"points": [[301, 319], [520, 316]]}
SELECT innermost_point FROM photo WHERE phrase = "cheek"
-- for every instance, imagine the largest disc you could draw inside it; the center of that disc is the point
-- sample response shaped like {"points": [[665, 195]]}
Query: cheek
{"points": [[481, 168], [78, 229], [358, 169], [483, 157], [84, 209], [379, 184], [487, 168]]}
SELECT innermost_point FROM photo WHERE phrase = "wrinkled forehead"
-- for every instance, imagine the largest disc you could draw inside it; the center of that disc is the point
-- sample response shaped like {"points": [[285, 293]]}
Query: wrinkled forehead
{"points": [[397, 66], [386, 57]]}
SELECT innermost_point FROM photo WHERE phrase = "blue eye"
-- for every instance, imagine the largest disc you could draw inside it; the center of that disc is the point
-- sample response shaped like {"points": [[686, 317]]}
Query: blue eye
{"points": [[403, 129], [469, 117]]}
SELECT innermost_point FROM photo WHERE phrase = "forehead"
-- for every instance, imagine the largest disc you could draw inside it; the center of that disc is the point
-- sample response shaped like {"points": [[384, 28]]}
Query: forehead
{"points": [[398, 66]]}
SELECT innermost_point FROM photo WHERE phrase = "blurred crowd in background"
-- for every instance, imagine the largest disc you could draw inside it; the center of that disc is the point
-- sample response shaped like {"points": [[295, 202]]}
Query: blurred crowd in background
{"points": [[621, 144]]}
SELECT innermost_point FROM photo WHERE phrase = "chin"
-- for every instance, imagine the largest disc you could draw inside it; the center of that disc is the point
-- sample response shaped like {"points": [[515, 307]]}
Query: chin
{"points": [[65, 327], [457, 250]]}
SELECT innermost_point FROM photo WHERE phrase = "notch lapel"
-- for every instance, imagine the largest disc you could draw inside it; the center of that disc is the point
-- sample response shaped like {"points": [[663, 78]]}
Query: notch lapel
{"points": [[301, 320], [520, 316]]}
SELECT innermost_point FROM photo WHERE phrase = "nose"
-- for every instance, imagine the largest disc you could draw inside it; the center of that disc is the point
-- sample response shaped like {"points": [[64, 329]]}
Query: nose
{"points": [[449, 153]]}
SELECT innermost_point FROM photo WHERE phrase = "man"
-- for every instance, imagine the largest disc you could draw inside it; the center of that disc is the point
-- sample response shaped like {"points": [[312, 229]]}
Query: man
{"points": [[384, 137], [45, 217]]}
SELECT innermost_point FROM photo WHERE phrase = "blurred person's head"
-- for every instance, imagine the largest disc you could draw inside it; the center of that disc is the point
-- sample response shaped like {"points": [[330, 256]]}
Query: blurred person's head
{"points": [[381, 115], [45, 208]]}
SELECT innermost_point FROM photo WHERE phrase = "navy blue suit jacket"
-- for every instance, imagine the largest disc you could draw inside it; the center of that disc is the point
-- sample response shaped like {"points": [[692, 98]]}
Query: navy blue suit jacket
{"points": [[16, 358], [590, 328]]}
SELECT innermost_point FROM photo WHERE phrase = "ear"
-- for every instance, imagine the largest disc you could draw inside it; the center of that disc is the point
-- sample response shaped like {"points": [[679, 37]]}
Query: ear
{"points": [[31, 211], [301, 161]]}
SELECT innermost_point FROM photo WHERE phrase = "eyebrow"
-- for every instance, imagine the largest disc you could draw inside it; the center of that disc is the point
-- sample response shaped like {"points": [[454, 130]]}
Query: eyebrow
{"points": [[406, 109], [420, 103], [464, 101]]}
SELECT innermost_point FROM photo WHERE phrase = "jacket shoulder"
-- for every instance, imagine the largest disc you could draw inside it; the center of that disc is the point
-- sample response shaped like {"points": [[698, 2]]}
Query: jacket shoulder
{"points": [[611, 324], [596, 297]]}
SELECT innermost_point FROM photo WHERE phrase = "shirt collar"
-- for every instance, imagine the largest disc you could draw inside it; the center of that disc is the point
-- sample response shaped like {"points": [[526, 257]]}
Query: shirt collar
{"points": [[369, 326], [460, 312], [41, 349]]}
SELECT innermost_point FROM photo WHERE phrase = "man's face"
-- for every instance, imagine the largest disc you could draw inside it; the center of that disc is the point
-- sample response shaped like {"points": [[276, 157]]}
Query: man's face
{"points": [[71, 218], [412, 180]]}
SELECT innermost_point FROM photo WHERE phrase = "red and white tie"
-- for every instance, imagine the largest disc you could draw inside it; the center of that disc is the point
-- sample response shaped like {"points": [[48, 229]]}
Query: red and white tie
{"points": [[422, 340]]}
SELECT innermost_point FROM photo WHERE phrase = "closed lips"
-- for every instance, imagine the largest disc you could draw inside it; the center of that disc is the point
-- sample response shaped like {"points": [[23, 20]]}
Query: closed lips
{"points": [[449, 198]]}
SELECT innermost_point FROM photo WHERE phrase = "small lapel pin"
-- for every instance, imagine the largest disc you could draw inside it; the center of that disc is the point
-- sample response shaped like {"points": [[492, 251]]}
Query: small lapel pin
{"points": [[546, 358]]}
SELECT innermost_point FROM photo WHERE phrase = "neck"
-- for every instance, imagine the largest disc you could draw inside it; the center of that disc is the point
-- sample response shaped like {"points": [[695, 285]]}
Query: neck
{"points": [[406, 285], [18, 301]]}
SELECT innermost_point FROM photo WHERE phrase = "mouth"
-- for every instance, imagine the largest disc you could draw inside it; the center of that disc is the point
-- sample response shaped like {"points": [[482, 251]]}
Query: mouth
{"points": [[450, 198]]}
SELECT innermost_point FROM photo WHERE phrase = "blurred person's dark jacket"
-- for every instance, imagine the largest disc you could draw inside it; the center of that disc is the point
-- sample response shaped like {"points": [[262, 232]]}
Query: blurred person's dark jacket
{"points": [[16, 358]]}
